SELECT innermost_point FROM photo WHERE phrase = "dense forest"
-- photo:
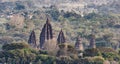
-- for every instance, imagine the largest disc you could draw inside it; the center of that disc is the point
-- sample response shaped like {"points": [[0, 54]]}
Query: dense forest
{"points": [[54, 35]]}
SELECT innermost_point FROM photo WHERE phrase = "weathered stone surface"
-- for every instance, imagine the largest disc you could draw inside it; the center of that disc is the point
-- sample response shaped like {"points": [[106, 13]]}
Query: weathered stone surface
{"points": [[46, 33], [79, 44], [61, 38], [92, 41], [32, 39]]}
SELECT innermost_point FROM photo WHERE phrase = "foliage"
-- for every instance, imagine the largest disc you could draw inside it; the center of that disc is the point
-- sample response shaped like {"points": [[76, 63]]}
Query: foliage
{"points": [[93, 60], [43, 52], [64, 60], [91, 16], [111, 56], [106, 49], [92, 52], [13, 46], [104, 26], [6, 40], [54, 13], [71, 14], [26, 55], [19, 6], [45, 59], [18, 56]]}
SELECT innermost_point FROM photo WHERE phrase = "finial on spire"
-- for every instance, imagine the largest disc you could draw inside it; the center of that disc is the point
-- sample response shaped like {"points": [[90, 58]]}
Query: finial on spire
{"points": [[47, 21]]}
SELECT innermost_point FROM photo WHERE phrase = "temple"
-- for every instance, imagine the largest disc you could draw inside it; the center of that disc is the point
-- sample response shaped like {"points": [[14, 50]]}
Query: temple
{"points": [[79, 44], [32, 39], [46, 36], [92, 41], [46, 33], [61, 37]]}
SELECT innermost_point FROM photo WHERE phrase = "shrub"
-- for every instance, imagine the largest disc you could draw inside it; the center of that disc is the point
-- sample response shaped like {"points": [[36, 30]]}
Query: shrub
{"points": [[64, 60], [45, 59], [13, 46], [98, 60], [92, 52], [111, 56], [43, 52], [93, 60]]}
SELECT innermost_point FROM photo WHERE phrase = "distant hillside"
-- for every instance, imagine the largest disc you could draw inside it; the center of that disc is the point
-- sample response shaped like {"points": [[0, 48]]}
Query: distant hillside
{"points": [[75, 17], [78, 6]]}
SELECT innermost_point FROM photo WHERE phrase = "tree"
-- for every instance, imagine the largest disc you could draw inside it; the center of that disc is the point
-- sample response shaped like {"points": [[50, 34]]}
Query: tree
{"points": [[93, 60], [19, 6], [13, 46], [5, 56], [45, 59], [92, 52], [91, 16], [64, 60], [30, 57], [6, 40], [19, 56], [111, 56], [108, 38], [54, 13]]}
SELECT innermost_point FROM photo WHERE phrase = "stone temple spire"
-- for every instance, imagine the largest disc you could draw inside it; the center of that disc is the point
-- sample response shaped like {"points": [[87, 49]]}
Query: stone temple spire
{"points": [[79, 44], [92, 41], [61, 37], [32, 39], [47, 21], [46, 33]]}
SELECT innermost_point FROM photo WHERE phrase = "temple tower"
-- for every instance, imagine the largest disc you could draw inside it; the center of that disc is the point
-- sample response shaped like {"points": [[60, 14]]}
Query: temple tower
{"points": [[79, 44], [32, 39], [92, 41], [46, 33], [61, 37]]}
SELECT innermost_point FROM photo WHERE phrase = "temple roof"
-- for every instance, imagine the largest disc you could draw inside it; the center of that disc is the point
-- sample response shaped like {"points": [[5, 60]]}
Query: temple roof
{"points": [[32, 39], [61, 37], [46, 32]]}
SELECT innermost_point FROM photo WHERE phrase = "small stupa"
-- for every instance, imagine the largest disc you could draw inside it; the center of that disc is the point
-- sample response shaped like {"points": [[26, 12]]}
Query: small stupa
{"points": [[79, 44], [92, 41]]}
